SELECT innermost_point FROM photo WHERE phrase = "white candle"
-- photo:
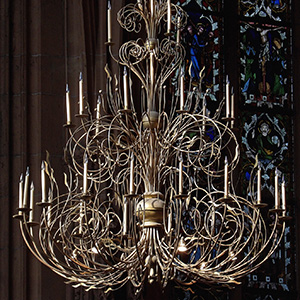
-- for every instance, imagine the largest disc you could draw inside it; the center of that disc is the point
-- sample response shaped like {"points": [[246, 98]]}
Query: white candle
{"points": [[227, 99], [85, 171], [178, 30], [131, 178], [109, 35], [152, 7], [125, 87], [31, 202], [182, 91], [21, 183], [43, 182], [226, 178], [283, 194], [276, 189], [68, 109], [81, 109], [125, 204], [98, 109], [26, 187], [180, 177], [81, 215], [259, 184], [169, 16]]}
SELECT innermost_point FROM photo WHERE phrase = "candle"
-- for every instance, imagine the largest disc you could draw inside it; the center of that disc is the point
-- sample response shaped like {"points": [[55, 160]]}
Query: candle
{"points": [[85, 171], [226, 178], [259, 184], [21, 183], [232, 107], [125, 86], [152, 7], [43, 182], [26, 187], [180, 177], [182, 90], [81, 109], [178, 30], [49, 212], [68, 109], [125, 204], [276, 190], [131, 181], [283, 194], [81, 215], [31, 202], [109, 36], [169, 17], [227, 99], [98, 109], [169, 221]]}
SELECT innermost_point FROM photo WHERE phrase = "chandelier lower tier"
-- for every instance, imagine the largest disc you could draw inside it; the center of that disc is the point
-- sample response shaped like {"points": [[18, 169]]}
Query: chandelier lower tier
{"points": [[149, 194]]}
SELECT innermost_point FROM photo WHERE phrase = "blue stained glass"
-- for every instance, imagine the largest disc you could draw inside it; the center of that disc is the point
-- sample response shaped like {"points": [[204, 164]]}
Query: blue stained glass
{"points": [[201, 39], [264, 65]]}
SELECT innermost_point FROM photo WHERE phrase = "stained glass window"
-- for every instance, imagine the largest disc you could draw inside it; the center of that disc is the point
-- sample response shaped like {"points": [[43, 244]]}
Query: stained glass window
{"points": [[266, 111], [265, 102], [203, 41], [265, 66], [210, 5], [271, 10]]}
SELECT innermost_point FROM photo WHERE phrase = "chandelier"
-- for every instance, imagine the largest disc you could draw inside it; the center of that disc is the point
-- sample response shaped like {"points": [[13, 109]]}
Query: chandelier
{"points": [[149, 193]]}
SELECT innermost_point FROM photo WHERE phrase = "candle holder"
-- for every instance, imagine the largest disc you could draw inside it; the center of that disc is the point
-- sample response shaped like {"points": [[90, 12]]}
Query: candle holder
{"points": [[260, 205], [69, 125]]}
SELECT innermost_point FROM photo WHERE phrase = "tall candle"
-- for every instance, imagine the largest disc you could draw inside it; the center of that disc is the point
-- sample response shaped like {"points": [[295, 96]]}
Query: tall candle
{"points": [[276, 189], [152, 7], [125, 87], [109, 35], [85, 171], [26, 188], [125, 209], [226, 178], [283, 194], [81, 109], [232, 107], [98, 109], [169, 220], [43, 181], [180, 177], [169, 17], [178, 30], [68, 108], [21, 184], [131, 178], [182, 91], [227, 99], [259, 184], [31, 202], [81, 216]]}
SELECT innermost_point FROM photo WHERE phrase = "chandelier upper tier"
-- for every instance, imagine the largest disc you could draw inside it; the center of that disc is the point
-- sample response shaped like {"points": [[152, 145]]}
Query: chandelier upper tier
{"points": [[149, 193]]}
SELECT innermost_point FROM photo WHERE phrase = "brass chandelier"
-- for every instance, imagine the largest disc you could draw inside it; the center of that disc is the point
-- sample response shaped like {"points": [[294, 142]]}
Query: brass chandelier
{"points": [[149, 193]]}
